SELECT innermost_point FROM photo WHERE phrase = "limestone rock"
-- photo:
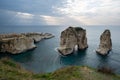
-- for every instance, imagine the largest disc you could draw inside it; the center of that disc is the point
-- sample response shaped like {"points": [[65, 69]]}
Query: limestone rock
{"points": [[71, 37], [18, 43], [35, 36], [38, 36], [105, 43], [47, 35], [15, 45], [81, 38]]}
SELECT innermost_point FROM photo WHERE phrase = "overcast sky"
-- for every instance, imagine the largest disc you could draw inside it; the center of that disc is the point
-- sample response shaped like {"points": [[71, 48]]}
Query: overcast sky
{"points": [[59, 12]]}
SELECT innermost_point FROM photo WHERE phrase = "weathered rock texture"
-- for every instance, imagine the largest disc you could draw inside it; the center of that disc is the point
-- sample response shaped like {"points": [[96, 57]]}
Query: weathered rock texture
{"points": [[38, 36], [18, 43], [105, 43], [71, 37]]}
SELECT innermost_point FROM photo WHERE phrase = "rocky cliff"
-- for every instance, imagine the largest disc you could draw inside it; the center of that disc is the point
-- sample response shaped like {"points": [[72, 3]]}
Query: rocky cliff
{"points": [[105, 43], [18, 43], [71, 37]]}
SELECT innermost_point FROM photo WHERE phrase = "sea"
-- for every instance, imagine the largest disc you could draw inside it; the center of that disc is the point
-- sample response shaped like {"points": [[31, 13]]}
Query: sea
{"points": [[45, 58]]}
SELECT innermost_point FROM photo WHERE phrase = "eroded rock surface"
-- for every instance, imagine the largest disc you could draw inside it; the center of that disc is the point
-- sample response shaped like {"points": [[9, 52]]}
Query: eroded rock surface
{"points": [[105, 43], [38, 36], [71, 37], [18, 43]]}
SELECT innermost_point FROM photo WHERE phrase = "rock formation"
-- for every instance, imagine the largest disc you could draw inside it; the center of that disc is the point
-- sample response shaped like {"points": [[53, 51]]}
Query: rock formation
{"points": [[105, 43], [71, 37], [18, 43], [38, 36]]}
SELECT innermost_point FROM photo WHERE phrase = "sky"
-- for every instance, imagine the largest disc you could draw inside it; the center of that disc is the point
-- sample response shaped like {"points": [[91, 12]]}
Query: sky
{"points": [[59, 12]]}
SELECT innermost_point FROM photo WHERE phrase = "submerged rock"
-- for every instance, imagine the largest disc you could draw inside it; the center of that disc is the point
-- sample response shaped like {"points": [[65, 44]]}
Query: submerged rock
{"points": [[71, 37], [105, 43], [18, 43]]}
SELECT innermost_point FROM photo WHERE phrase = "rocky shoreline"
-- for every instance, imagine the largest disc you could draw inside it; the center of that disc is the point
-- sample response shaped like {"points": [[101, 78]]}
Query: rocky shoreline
{"points": [[18, 43]]}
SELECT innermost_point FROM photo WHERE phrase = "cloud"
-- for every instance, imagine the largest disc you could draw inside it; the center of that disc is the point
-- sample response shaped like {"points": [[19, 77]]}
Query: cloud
{"points": [[64, 20], [59, 12], [19, 18], [91, 11], [51, 20], [42, 7], [25, 15]]}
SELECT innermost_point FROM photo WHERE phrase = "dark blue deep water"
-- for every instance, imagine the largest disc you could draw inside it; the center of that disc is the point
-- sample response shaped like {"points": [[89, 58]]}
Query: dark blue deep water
{"points": [[45, 58]]}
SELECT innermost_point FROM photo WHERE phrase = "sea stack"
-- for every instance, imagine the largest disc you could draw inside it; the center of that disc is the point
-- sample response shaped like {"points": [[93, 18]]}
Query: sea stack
{"points": [[71, 37], [18, 43], [105, 43]]}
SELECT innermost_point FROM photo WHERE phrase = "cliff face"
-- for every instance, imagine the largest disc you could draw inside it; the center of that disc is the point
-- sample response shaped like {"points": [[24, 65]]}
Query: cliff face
{"points": [[81, 38], [105, 43], [18, 43], [72, 37]]}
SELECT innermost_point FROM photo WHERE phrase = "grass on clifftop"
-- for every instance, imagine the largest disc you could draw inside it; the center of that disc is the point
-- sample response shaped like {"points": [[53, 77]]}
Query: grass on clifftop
{"points": [[9, 70]]}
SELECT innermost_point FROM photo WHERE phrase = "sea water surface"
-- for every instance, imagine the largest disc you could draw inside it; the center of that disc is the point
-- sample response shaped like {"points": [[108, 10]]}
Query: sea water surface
{"points": [[45, 57]]}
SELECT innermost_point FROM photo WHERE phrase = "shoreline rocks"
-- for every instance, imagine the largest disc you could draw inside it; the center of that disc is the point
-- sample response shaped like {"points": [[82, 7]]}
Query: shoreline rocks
{"points": [[38, 36], [105, 43], [18, 43], [71, 37]]}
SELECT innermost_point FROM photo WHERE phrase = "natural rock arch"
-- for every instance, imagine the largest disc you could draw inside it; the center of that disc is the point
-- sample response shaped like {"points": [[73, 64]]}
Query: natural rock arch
{"points": [[71, 37]]}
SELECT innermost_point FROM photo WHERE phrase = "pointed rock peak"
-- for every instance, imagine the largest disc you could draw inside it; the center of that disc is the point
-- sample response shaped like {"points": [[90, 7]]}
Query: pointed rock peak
{"points": [[107, 32], [105, 43]]}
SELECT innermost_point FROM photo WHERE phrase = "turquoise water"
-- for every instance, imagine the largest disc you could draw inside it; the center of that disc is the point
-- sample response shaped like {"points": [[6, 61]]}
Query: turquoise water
{"points": [[45, 57]]}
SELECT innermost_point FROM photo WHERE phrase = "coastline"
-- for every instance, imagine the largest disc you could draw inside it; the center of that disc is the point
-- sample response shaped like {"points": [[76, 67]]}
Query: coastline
{"points": [[10, 70], [18, 43]]}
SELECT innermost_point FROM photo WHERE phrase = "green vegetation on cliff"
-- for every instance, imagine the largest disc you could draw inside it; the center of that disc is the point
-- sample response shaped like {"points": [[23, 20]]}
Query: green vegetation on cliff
{"points": [[9, 70]]}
